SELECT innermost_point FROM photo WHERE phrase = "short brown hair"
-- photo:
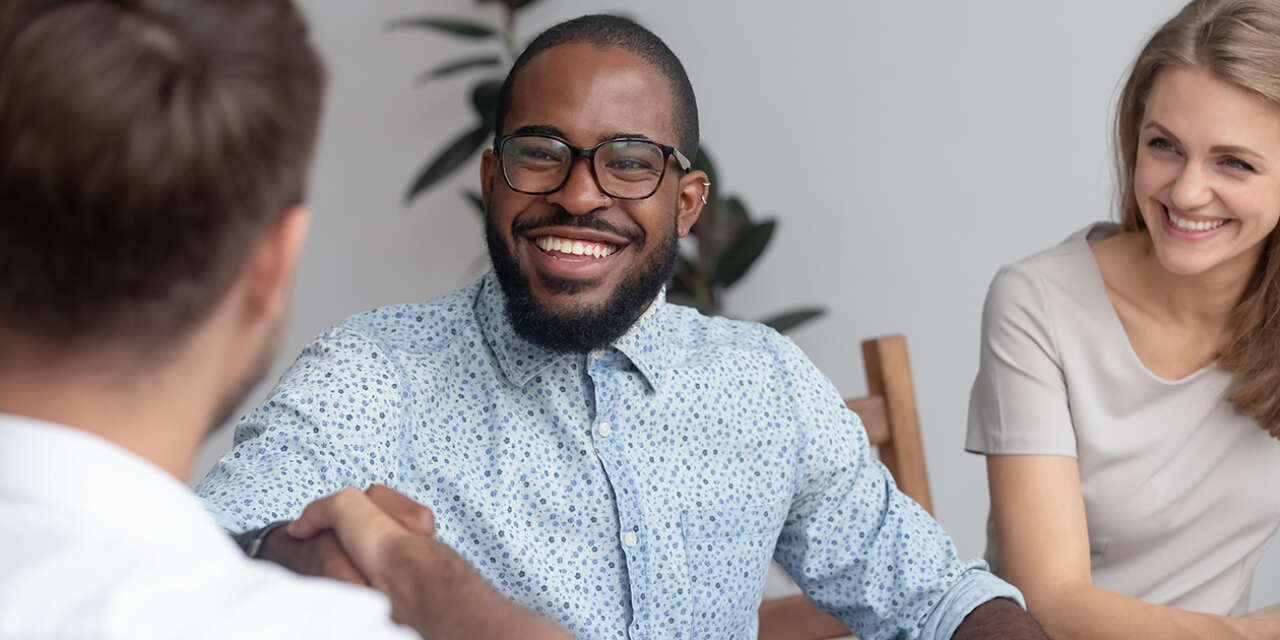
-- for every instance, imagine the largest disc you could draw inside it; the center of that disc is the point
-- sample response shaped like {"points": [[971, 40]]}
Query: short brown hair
{"points": [[1238, 41], [144, 147]]}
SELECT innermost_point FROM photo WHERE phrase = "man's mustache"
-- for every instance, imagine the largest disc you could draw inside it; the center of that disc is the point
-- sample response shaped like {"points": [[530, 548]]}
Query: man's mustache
{"points": [[592, 220]]}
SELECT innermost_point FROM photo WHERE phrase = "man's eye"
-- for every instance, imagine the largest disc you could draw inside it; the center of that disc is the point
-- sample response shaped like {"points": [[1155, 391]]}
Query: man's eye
{"points": [[539, 155], [630, 164]]}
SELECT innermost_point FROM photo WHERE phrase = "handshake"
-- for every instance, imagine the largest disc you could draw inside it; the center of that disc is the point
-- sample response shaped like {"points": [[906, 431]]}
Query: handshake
{"points": [[381, 539]]}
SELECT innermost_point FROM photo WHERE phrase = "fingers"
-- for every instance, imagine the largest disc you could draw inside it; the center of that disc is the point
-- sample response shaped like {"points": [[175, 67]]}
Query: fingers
{"points": [[327, 513], [416, 518], [333, 562], [360, 525]]}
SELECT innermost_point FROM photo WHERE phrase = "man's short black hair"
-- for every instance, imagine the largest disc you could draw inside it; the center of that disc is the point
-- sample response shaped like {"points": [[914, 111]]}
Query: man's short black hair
{"points": [[604, 31]]}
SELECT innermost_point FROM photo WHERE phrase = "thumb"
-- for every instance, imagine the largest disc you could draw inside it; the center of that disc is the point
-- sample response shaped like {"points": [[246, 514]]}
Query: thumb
{"points": [[326, 513]]}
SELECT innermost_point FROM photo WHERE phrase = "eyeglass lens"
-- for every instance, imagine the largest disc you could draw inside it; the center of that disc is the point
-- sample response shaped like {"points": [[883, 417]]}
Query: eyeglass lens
{"points": [[624, 168]]}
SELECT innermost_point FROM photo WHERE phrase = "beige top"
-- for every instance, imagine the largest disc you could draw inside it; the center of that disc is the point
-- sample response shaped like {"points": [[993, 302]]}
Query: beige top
{"points": [[1181, 493]]}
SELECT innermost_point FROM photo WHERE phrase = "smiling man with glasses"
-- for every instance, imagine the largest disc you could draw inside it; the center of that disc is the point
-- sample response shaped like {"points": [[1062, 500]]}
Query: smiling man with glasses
{"points": [[623, 465]]}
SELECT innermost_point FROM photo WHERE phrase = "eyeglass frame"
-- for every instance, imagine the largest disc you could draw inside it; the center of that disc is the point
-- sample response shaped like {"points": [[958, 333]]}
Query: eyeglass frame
{"points": [[589, 153]]}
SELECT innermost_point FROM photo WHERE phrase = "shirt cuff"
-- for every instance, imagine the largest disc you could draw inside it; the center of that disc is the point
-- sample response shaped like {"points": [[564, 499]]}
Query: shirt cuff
{"points": [[975, 587], [221, 517]]}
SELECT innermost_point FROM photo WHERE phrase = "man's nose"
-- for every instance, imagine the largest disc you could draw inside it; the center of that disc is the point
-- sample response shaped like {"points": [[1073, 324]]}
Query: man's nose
{"points": [[580, 194]]}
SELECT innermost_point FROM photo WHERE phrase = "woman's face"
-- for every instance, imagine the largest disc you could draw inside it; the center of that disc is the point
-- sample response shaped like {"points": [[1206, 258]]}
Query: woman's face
{"points": [[1207, 176]]}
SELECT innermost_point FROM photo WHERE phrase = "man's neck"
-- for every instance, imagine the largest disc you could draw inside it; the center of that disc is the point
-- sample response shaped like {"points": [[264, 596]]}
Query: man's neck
{"points": [[153, 415]]}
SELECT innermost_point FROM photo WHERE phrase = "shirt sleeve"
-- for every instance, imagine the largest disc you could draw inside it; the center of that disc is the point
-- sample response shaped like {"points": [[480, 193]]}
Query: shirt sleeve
{"points": [[1019, 399], [859, 548], [331, 422]]}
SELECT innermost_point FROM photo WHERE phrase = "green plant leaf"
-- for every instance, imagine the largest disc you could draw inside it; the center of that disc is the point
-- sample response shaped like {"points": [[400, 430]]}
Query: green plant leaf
{"points": [[682, 278], [476, 201], [450, 68], [453, 156], [484, 99], [452, 26], [678, 289], [744, 251], [733, 212], [788, 320], [704, 307], [704, 163]]}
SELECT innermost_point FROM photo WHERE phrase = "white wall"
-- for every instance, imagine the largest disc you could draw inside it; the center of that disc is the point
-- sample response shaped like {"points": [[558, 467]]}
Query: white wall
{"points": [[908, 149]]}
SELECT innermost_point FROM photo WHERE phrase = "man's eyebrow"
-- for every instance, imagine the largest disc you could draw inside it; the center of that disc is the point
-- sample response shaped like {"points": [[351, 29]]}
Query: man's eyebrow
{"points": [[541, 130], [616, 136]]}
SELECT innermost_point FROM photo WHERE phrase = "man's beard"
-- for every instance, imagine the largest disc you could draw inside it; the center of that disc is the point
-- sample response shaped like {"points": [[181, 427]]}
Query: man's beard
{"points": [[580, 329], [257, 370]]}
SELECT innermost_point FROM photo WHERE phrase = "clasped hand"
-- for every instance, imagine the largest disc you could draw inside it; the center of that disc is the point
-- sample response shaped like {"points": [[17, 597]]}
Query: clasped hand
{"points": [[338, 536]]}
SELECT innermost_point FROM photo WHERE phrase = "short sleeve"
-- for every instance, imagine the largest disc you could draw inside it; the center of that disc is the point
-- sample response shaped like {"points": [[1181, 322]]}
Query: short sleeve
{"points": [[1019, 400]]}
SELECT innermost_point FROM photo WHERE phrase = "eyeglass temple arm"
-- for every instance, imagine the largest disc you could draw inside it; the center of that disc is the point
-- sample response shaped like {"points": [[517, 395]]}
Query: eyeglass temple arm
{"points": [[685, 165]]}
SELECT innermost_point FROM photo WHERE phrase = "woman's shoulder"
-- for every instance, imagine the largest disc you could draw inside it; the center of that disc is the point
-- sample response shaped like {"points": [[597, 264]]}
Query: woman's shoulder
{"points": [[1065, 269], [1070, 259]]}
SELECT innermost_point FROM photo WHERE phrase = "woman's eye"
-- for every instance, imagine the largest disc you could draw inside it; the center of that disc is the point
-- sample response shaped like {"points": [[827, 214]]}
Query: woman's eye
{"points": [[1236, 163], [1161, 144]]}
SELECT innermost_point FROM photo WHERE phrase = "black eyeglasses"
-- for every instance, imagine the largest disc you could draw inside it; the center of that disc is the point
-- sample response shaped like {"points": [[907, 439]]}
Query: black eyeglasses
{"points": [[625, 168]]}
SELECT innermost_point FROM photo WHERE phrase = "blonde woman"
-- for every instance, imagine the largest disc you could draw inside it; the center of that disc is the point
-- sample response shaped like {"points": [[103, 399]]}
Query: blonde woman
{"points": [[1128, 398]]}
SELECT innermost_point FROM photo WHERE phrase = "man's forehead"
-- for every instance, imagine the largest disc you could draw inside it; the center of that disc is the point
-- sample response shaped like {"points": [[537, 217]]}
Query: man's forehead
{"points": [[589, 94]]}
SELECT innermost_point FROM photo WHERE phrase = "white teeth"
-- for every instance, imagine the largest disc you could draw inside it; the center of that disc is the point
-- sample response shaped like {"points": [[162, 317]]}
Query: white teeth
{"points": [[575, 247], [1193, 225]]}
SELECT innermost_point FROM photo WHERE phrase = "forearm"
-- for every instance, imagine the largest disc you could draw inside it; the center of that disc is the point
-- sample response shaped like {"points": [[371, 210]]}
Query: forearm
{"points": [[1085, 611], [999, 618], [434, 591]]}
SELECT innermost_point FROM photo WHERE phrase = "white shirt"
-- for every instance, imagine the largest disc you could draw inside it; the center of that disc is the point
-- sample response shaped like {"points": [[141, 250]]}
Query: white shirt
{"points": [[96, 542]]}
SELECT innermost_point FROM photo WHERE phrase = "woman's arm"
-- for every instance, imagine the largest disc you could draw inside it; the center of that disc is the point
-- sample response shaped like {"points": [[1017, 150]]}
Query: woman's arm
{"points": [[1039, 515]]}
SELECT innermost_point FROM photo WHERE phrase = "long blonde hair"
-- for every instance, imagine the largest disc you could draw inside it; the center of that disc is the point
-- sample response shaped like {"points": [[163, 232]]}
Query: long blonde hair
{"points": [[1237, 41]]}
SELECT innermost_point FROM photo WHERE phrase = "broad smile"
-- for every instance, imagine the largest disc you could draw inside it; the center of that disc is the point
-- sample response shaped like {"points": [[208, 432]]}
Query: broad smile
{"points": [[569, 246], [574, 253], [1191, 227]]}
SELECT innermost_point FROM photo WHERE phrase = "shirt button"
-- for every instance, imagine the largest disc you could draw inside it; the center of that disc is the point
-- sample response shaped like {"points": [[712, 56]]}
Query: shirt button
{"points": [[629, 539], [605, 429]]}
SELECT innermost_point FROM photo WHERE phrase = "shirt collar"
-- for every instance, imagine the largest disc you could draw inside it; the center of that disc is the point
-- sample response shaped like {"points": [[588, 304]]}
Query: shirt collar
{"points": [[644, 343]]}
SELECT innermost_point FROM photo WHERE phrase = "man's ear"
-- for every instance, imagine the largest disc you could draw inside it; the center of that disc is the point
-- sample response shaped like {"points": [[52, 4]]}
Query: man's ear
{"points": [[270, 272], [695, 189], [488, 169]]}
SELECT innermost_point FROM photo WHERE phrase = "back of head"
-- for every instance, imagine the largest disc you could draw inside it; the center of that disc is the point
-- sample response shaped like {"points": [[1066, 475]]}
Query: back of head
{"points": [[144, 146], [604, 31]]}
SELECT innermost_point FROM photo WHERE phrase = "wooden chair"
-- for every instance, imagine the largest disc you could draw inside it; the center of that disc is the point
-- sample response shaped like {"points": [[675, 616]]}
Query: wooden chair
{"points": [[889, 414]]}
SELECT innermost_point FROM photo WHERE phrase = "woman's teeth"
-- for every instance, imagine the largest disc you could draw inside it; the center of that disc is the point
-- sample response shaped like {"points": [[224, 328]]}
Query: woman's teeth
{"points": [[575, 247], [1191, 225]]}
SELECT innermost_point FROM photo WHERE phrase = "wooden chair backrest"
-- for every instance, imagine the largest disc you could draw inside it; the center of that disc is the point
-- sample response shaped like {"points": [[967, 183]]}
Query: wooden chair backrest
{"points": [[888, 412]]}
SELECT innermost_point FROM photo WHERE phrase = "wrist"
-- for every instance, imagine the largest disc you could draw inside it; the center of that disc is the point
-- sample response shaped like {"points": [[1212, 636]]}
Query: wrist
{"points": [[252, 541]]}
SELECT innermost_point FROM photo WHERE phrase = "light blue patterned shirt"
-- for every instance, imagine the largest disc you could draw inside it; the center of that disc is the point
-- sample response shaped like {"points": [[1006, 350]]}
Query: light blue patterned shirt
{"points": [[637, 491]]}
